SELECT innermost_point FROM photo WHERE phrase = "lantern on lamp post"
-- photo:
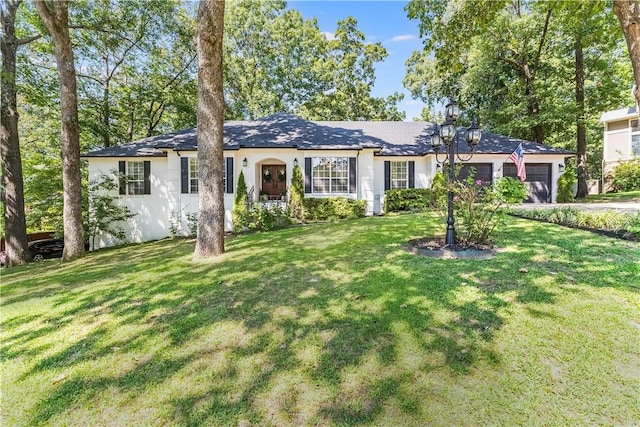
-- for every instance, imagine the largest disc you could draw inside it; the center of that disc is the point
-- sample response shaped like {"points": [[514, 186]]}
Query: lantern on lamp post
{"points": [[447, 134]]}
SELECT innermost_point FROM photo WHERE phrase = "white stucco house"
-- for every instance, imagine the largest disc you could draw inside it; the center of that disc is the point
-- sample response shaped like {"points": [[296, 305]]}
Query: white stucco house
{"points": [[621, 140], [357, 160]]}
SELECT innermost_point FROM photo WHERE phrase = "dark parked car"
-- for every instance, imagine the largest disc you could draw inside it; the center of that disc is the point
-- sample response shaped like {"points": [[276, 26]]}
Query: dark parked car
{"points": [[48, 248]]}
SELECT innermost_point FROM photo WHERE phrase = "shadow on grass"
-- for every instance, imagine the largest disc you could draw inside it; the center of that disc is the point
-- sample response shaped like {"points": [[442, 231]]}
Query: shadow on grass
{"points": [[338, 309]]}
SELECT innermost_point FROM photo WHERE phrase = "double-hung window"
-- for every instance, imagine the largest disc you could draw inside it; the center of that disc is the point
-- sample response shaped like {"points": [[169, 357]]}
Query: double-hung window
{"points": [[330, 175], [193, 175], [399, 175], [189, 175], [635, 137], [134, 177]]}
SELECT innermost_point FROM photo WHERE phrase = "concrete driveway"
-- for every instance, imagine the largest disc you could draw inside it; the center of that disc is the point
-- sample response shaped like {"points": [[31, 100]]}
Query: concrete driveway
{"points": [[626, 207]]}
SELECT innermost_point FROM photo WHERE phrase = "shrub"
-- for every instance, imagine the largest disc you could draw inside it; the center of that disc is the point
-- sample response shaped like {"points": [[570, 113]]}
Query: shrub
{"points": [[510, 190], [566, 184], [439, 191], [104, 211], [481, 209], [239, 212], [408, 199], [296, 196], [320, 209], [626, 176], [267, 218]]}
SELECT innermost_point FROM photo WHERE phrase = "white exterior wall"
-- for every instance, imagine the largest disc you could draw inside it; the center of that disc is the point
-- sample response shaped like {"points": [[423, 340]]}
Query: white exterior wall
{"points": [[151, 221], [156, 211]]}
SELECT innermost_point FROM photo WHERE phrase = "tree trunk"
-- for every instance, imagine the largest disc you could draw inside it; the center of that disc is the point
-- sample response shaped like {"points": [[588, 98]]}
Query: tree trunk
{"points": [[628, 13], [55, 16], [12, 181], [210, 26], [581, 132]]}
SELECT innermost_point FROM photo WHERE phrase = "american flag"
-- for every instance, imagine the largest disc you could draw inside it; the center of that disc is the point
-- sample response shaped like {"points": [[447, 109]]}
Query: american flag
{"points": [[517, 157]]}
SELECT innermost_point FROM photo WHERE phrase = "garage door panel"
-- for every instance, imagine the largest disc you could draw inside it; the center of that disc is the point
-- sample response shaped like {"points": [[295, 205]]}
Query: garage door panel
{"points": [[483, 171], [538, 181]]}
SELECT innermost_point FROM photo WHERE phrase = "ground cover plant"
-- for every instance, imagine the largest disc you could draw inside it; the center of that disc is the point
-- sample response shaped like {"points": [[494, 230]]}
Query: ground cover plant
{"points": [[625, 224], [329, 324]]}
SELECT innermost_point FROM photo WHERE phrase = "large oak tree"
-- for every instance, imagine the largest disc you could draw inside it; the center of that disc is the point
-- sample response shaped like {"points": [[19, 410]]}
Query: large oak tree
{"points": [[12, 180], [209, 33], [55, 15]]}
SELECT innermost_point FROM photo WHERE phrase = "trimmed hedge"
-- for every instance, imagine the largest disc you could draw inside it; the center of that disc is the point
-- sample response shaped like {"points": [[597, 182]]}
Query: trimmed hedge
{"points": [[320, 209], [408, 199]]}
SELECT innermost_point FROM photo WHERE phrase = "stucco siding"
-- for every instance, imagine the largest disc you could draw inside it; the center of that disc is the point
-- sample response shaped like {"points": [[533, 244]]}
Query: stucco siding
{"points": [[617, 146]]}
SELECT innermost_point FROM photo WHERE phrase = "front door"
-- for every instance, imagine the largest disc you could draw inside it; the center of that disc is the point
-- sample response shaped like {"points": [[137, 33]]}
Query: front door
{"points": [[274, 181]]}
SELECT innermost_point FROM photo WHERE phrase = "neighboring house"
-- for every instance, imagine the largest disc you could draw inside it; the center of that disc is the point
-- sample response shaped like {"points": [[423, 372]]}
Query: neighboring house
{"points": [[621, 140], [358, 160]]}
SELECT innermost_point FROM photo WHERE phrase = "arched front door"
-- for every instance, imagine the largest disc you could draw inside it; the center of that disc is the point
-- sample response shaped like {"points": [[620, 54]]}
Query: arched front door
{"points": [[274, 181]]}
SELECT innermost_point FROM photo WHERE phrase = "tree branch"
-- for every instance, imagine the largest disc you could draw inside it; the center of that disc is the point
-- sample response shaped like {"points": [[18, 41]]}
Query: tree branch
{"points": [[27, 40], [542, 39]]}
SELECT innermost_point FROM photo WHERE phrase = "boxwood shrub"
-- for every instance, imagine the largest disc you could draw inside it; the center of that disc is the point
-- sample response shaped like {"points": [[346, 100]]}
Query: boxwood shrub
{"points": [[320, 209], [408, 199]]}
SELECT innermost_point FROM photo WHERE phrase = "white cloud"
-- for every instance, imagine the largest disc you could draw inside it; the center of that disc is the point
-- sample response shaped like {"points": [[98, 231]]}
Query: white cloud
{"points": [[403, 38], [328, 35]]}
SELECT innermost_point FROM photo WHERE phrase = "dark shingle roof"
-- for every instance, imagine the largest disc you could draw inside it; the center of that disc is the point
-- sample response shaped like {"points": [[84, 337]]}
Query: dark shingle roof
{"points": [[288, 131]]}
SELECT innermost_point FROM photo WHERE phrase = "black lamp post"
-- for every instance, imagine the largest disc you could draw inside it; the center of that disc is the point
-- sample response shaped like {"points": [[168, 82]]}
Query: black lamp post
{"points": [[447, 133]]}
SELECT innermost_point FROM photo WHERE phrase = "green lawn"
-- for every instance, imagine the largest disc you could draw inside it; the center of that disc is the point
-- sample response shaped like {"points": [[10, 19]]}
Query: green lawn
{"points": [[629, 196], [331, 324]]}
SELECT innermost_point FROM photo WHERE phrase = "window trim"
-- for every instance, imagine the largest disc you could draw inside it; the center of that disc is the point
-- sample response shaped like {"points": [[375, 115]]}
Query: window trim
{"points": [[346, 175], [192, 167], [392, 165], [127, 179]]}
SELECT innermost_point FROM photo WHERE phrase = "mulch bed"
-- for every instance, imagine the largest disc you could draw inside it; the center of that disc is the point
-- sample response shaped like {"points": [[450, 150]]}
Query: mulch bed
{"points": [[435, 247]]}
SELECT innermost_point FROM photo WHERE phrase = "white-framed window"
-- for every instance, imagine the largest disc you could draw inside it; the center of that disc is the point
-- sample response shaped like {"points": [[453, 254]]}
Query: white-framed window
{"points": [[399, 175], [135, 177], [330, 175], [193, 175], [635, 137]]}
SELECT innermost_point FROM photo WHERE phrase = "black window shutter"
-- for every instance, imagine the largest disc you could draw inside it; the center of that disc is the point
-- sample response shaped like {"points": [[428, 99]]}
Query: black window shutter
{"points": [[412, 174], [307, 175], [147, 172], [352, 175], [229, 175], [122, 178], [387, 175], [184, 175]]}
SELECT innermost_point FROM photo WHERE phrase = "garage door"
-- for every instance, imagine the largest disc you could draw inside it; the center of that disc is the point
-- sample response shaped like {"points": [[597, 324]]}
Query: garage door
{"points": [[483, 171], [538, 180]]}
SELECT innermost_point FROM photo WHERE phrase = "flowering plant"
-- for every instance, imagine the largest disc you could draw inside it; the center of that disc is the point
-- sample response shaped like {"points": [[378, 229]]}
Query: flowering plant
{"points": [[481, 208]]}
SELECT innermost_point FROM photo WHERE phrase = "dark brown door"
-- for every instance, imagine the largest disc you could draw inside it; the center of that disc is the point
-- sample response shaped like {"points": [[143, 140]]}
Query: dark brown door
{"points": [[274, 180]]}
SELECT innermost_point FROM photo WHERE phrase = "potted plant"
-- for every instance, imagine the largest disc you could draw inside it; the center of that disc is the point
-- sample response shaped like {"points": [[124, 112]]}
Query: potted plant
{"points": [[263, 196]]}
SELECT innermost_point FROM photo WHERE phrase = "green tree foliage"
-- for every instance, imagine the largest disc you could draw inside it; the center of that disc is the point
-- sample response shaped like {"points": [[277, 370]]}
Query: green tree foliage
{"points": [[274, 59], [350, 74], [513, 64]]}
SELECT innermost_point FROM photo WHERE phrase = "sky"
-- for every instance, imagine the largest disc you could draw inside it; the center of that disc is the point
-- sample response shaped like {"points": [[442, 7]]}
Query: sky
{"points": [[380, 21]]}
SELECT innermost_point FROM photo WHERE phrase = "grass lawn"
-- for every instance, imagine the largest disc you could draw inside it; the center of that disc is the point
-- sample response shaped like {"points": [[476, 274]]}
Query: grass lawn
{"points": [[629, 196], [331, 324]]}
